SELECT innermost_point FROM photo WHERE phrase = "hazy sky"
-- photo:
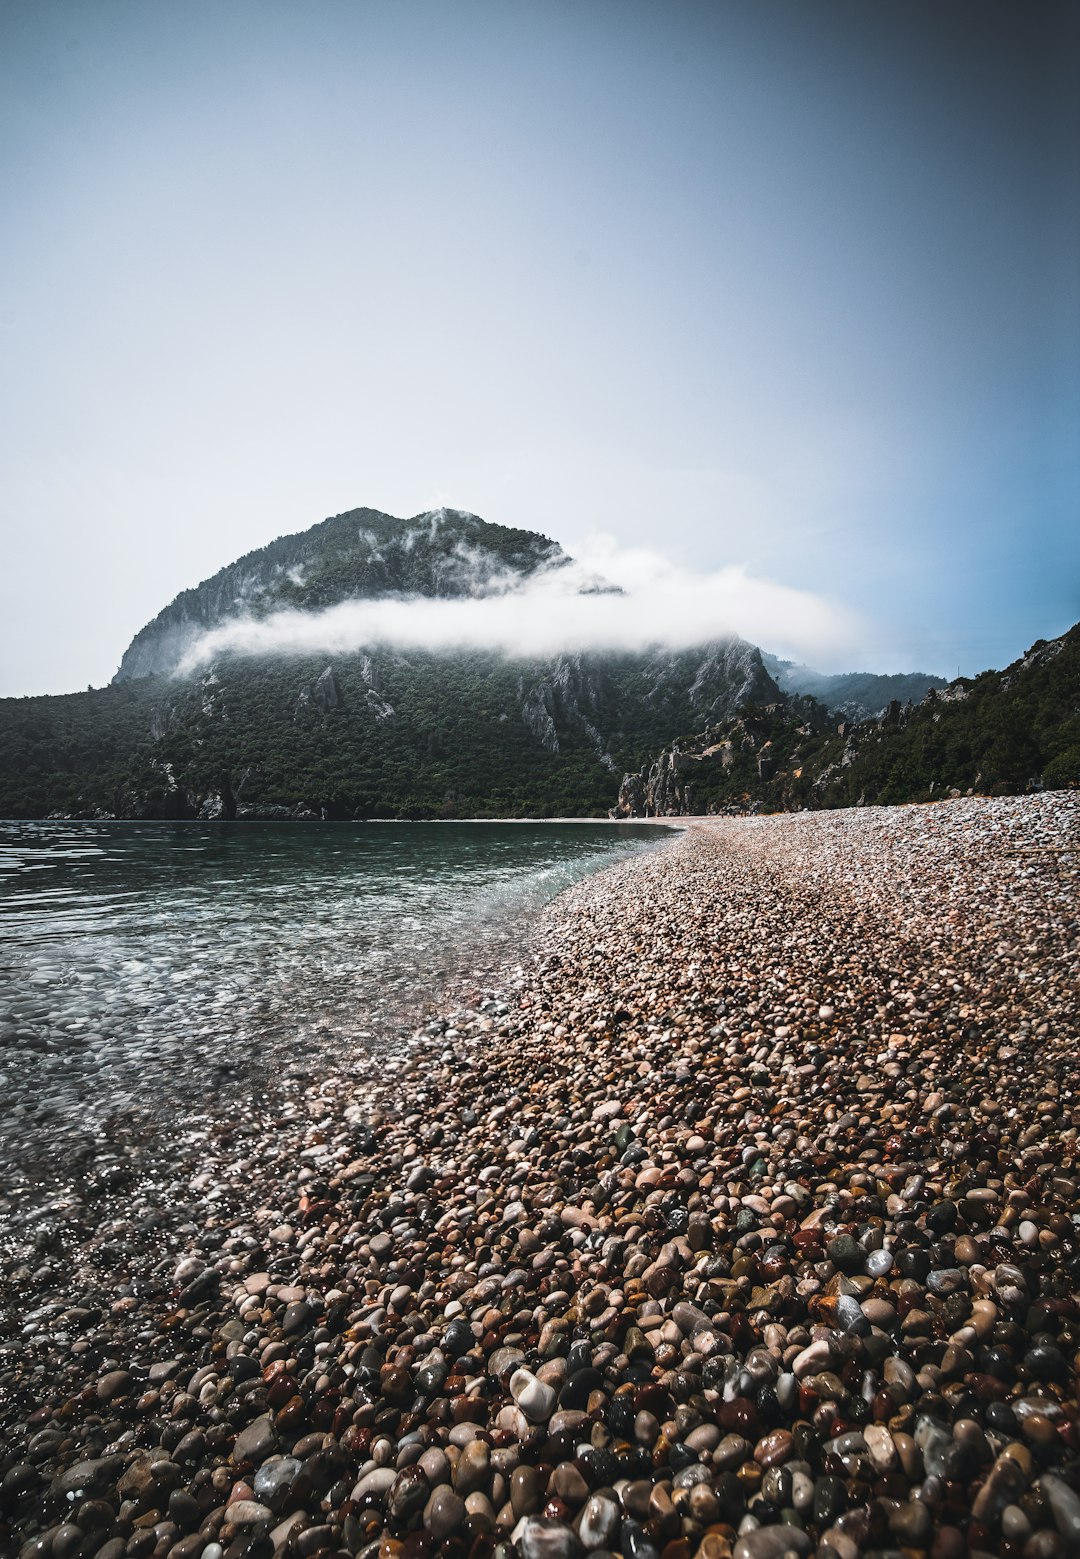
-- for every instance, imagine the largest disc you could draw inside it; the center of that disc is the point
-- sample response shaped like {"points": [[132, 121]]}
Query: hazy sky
{"points": [[760, 284]]}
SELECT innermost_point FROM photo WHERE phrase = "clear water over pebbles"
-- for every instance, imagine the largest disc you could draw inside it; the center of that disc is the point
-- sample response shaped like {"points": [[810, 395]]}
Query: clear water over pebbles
{"points": [[147, 970]]}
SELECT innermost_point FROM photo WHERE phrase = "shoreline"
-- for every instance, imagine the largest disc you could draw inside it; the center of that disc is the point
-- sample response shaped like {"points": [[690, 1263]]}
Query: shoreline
{"points": [[677, 821], [362, 822], [73, 1111], [738, 1221]]}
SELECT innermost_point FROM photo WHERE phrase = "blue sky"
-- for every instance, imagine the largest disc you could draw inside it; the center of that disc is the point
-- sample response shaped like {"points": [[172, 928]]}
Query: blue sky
{"points": [[784, 287]]}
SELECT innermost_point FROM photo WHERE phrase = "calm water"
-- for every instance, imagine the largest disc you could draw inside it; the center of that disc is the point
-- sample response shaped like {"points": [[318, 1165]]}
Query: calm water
{"points": [[147, 968]]}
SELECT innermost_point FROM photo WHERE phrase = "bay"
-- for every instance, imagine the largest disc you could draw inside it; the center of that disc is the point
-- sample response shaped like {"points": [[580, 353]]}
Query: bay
{"points": [[156, 973]]}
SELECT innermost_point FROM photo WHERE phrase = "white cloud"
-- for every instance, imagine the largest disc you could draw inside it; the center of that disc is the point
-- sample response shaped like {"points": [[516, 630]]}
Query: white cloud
{"points": [[648, 601]]}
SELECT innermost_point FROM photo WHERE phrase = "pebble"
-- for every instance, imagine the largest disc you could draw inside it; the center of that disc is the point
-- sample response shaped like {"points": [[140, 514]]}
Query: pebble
{"points": [[535, 1400], [444, 1512], [775, 1542], [275, 1479], [598, 1523], [473, 1470], [734, 1222], [1065, 1504], [540, 1537], [256, 1440], [246, 1512]]}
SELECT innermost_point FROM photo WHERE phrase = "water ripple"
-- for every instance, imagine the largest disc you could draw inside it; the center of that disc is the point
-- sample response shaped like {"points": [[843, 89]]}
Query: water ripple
{"points": [[144, 966]]}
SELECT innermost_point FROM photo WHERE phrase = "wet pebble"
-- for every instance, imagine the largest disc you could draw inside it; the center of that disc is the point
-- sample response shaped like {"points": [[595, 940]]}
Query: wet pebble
{"points": [[735, 1223]]}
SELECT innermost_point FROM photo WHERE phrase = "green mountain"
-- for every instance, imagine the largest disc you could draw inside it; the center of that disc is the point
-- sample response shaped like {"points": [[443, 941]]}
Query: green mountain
{"points": [[360, 554], [382, 733], [1002, 733], [373, 734], [855, 695]]}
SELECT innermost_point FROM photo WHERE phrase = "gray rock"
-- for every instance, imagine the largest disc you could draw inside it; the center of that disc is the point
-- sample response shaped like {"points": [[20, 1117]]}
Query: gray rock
{"points": [[298, 1316], [274, 1480], [20, 1477], [772, 1543], [114, 1384], [66, 1540], [933, 1441], [538, 1537], [375, 1483], [1065, 1503], [256, 1440], [444, 1513], [85, 1478]]}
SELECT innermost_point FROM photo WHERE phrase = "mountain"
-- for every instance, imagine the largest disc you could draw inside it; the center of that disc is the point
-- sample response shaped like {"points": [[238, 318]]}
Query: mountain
{"points": [[360, 554], [1002, 733], [379, 733], [858, 695]]}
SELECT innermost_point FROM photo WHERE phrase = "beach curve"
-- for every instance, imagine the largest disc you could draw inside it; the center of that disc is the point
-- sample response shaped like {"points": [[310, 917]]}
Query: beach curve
{"points": [[740, 1220]]}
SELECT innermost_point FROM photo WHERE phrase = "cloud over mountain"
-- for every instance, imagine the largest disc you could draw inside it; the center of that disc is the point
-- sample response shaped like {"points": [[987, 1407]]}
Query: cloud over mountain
{"points": [[607, 598]]}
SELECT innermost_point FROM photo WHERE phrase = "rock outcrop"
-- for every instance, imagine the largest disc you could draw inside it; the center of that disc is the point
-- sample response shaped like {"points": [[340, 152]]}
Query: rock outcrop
{"points": [[320, 698], [1003, 733]]}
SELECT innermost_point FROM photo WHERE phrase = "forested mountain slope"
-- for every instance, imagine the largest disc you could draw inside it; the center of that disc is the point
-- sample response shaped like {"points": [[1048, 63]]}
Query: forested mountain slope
{"points": [[1003, 733], [853, 695], [385, 732], [379, 732]]}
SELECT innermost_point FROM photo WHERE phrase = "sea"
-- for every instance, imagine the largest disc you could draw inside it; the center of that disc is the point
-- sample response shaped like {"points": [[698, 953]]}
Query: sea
{"points": [[152, 972]]}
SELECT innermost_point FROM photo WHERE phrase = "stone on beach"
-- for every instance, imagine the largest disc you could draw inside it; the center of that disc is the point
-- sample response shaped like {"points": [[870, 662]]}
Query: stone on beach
{"points": [[737, 1222]]}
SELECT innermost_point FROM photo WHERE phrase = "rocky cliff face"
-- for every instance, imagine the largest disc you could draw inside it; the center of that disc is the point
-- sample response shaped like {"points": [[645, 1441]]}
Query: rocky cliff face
{"points": [[589, 694], [727, 767], [363, 553], [1002, 733]]}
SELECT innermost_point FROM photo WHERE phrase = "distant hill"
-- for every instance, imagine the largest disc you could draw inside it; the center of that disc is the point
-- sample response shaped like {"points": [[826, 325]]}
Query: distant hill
{"points": [[372, 734], [859, 695], [1002, 733]]}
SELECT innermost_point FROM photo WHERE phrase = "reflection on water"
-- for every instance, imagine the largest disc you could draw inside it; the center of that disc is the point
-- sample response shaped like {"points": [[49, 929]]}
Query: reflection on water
{"points": [[148, 967]]}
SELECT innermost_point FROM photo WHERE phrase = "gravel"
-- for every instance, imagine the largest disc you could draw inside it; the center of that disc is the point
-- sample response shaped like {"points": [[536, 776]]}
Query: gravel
{"points": [[740, 1220]]}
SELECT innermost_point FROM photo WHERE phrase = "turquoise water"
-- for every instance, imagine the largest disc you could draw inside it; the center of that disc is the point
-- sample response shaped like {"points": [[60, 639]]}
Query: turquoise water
{"points": [[147, 968]]}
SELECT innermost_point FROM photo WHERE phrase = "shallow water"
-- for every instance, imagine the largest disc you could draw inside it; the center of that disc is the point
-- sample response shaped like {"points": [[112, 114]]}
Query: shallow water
{"points": [[148, 969]]}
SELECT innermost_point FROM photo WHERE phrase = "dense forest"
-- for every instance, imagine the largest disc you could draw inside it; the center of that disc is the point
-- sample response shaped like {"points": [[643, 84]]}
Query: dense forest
{"points": [[381, 735], [1002, 733], [482, 736]]}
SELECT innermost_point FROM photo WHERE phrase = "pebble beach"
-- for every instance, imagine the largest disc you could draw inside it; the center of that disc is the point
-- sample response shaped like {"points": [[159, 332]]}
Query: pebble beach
{"points": [[737, 1217]]}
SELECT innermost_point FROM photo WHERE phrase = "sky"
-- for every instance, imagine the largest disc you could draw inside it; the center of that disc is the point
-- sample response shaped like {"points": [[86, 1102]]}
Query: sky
{"points": [[772, 291]]}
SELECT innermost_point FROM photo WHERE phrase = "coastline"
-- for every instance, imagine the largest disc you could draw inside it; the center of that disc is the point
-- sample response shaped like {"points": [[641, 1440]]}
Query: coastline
{"points": [[150, 974], [737, 1220]]}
